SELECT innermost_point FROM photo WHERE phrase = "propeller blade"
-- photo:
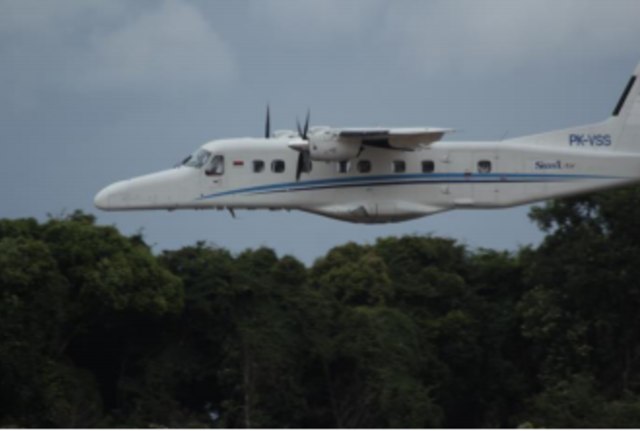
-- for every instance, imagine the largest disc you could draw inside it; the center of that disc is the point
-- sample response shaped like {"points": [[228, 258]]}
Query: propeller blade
{"points": [[304, 162], [306, 124], [300, 165], [304, 132], [299, 128], [267, 125]]}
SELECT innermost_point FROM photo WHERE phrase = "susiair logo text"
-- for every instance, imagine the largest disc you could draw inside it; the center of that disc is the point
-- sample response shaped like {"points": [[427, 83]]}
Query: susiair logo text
{"points": [[553, 164], [557, 164]]}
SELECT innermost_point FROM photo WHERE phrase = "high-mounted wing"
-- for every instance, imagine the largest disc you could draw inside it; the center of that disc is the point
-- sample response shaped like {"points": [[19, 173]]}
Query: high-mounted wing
{"points": [[403, 138]]}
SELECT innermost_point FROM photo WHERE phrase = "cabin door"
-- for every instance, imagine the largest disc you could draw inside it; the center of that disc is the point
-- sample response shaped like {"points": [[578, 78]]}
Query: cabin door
{"points": [[487, 178], [457, 181], [213, 175]]}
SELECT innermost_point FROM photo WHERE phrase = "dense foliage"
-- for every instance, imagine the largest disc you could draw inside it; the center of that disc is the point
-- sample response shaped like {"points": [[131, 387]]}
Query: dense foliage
{"points": [[96, 331]]}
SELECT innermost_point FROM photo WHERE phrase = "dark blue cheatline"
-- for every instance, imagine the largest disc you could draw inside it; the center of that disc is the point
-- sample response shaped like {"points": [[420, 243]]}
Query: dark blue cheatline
{"points": [[395, 179]]}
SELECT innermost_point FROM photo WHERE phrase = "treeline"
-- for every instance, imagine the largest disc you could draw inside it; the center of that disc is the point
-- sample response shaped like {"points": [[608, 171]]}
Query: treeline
{"points": [[96, 331]]}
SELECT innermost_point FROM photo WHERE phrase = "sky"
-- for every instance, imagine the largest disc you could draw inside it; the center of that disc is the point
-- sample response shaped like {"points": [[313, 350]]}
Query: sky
{"points": [[95, 91]]}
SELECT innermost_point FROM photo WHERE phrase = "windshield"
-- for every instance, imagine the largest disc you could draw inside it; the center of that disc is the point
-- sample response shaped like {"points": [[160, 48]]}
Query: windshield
{"points": [[197, 159]]}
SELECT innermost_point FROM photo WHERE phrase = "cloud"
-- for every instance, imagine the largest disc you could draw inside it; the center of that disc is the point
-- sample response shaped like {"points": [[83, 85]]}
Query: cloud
{"points": [[86, 46], [316, 21], [470, 37], [23, 17], [171, 47]]}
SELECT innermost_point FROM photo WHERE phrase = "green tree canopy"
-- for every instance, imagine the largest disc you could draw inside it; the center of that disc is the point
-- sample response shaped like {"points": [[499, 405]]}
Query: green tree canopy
{"points": [[413, 331]]}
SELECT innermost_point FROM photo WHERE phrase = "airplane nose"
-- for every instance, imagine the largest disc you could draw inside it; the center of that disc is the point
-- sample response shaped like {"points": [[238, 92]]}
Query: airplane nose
{"points": [[111, 197], [164, 189], [101, 200]]}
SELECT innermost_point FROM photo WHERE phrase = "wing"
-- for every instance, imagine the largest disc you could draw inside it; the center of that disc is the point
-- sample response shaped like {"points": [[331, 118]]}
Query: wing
{"points": [[398, 138]]}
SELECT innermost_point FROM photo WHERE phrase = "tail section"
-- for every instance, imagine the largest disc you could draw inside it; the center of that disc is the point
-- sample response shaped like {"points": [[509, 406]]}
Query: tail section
{"points": [[620, 132]]}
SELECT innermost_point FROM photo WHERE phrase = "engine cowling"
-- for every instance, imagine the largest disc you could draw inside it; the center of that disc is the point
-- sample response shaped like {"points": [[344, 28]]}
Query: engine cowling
{"points": [[330, 148]]}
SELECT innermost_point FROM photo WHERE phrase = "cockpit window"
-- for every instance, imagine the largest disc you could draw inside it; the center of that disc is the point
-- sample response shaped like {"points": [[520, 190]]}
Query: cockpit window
{"points": [[197, 159], [216, 166]]}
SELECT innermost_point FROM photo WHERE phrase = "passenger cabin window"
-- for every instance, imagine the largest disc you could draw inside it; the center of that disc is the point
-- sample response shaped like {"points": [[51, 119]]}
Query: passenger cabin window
{"points": [[258, 166], [364, 166], [344, 166], [215, 166], [428, 166], [277, 166], [399, 166], [484, 167]]}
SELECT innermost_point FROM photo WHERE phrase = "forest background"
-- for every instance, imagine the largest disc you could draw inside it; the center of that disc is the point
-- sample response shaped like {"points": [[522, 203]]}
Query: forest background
{"points": [[413, 331]]}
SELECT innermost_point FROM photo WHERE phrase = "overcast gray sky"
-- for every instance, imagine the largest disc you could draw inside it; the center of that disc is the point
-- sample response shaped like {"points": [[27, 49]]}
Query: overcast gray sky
{"points": [[97, 91]]}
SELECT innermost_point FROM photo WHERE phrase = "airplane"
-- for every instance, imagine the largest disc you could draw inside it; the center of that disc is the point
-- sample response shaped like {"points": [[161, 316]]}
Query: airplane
{"points": [[381, 175]]}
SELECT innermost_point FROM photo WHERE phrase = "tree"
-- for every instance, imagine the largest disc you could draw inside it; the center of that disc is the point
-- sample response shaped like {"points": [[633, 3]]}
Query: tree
{"points": [[370, 353], [414, 331], [585, 281], [247, 319], [580, 313], [31, 317], [69, 294]]}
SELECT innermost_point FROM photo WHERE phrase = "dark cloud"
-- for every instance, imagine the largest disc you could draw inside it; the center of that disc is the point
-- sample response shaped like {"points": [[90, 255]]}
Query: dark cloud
{"points": [[95, 91]]}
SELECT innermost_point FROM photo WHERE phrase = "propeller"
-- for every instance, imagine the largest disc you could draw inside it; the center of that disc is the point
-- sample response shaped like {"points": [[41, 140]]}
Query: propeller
{"points": [[304, 132], [303, 155], [267, 125], [300, 165]]}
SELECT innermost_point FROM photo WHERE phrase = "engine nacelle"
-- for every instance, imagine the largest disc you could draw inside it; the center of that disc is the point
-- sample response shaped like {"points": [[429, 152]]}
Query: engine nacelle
{"points": [[331, 149]]}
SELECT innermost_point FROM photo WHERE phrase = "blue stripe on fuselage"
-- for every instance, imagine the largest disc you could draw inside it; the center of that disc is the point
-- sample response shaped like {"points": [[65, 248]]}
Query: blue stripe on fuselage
{"points": [[398, 179]]}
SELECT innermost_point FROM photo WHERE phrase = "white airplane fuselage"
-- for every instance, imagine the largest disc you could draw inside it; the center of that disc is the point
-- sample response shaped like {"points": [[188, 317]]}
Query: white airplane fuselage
{"points": [[387, 184]]}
